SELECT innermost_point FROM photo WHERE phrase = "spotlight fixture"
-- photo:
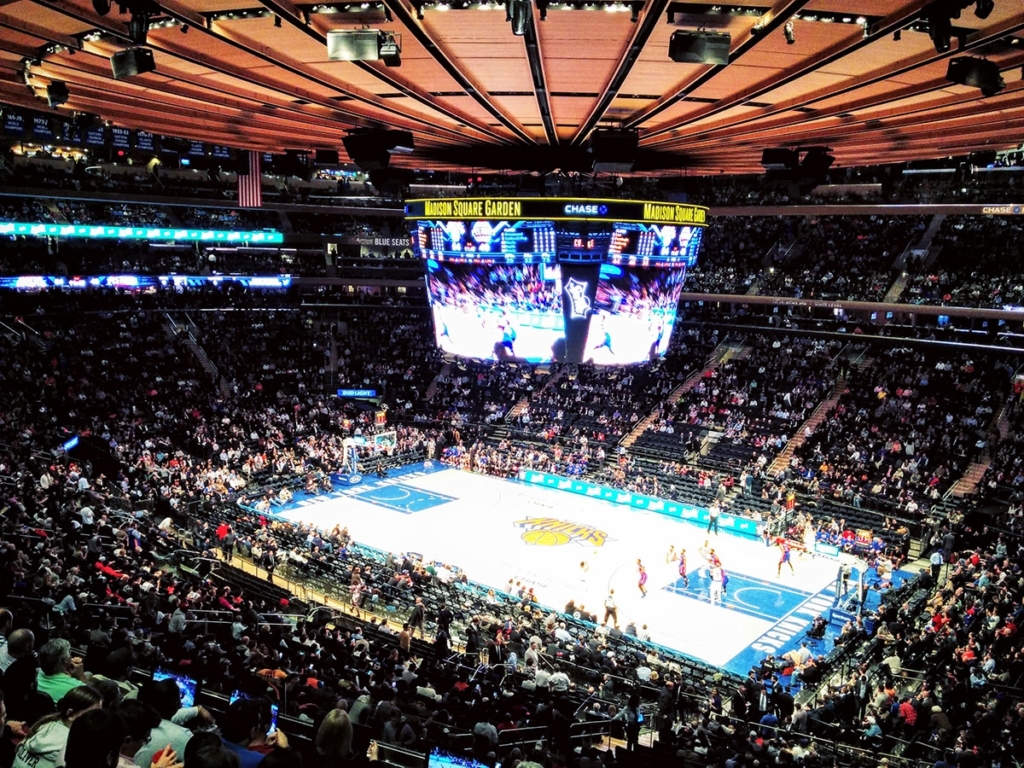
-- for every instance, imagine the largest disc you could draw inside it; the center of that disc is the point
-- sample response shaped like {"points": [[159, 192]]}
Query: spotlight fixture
{"points": [[688, 47], [897, 35], [389, 50], [517, 12], [634, 11], [184, 29], [787, 30], [940, 25], [56, 93], [983, 8], [977, 73], [542, 9], [138, 28], [102, 7], [277, 21], [131, 62], [364, 45]]}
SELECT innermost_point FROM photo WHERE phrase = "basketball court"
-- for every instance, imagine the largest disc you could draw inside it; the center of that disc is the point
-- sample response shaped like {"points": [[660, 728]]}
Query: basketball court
{"points": [[498, 529]]}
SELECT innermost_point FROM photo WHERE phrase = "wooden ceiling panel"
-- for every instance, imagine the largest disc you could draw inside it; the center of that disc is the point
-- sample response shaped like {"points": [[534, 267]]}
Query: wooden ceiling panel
{"points": [[465, 78]]}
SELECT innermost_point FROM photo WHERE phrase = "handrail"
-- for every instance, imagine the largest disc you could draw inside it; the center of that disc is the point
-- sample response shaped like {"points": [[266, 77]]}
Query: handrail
{"points": [[15, 331]]}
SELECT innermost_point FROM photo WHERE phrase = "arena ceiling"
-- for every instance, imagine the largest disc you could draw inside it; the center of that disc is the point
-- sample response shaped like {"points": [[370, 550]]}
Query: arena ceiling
{"points": [[864, 77]]}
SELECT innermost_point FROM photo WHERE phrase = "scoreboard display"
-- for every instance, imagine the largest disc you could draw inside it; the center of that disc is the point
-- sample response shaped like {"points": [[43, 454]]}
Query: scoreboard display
{"points": [[492, 242], [554, 279]]}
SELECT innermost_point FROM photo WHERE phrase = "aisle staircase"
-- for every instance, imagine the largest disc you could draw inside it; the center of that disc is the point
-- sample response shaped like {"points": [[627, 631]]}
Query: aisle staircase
{"points": [[819, 415], [432, 387], [998, 429], [524, 402], [808, 427], [925, 243], [896, 289], [57, 213], [722, 353], [173, 329]]}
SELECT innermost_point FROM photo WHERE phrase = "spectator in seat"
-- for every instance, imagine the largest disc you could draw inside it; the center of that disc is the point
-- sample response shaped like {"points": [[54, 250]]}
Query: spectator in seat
{"points": [[139, 721], [58, 671], [95, 741], [205, 750], [165, 697], [45, 748], [334, 739], [17, 645], [244, 722]]}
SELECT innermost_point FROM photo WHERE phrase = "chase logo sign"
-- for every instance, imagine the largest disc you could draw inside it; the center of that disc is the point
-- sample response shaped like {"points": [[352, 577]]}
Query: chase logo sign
{"points": [[585, 209], [551, 532]]}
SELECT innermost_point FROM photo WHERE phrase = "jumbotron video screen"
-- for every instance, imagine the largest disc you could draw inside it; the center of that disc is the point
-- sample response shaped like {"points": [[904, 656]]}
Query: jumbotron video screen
{"points": [[555, 280]]}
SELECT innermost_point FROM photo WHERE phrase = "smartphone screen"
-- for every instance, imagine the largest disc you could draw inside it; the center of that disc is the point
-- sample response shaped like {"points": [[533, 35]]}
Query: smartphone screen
{"points": [[273, 720]]}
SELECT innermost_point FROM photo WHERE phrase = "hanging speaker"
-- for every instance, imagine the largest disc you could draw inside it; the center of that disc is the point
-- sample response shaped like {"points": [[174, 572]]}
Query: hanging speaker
{"points": [[131, 62], [699, 47]]}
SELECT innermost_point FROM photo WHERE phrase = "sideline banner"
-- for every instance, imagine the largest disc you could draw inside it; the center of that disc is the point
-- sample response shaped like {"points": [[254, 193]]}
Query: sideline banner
{"points": [[741, 526]]}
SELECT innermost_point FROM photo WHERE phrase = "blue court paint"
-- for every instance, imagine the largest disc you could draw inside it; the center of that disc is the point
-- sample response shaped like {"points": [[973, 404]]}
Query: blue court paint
{"points": [[402, 498], [744, 594]]}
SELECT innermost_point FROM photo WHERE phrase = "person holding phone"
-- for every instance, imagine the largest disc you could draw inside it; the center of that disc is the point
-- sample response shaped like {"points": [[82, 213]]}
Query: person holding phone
{"points": [[165, 697]]}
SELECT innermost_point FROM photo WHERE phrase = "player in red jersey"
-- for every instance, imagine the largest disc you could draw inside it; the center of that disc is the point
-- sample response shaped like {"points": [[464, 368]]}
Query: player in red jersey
{"points": [[785, 556]]}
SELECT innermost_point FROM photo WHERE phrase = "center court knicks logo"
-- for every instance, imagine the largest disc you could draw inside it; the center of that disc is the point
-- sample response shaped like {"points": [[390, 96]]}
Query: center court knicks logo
{"points": [[551, 532]]}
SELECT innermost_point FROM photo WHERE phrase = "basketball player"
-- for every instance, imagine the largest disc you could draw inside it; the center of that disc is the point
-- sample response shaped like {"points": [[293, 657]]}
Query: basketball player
{"points": [[785, 556], [606, 341], [716, 584], [653, 353], [705, 556], [670, 556], [682, 568], [508, 335], [641, 578]]}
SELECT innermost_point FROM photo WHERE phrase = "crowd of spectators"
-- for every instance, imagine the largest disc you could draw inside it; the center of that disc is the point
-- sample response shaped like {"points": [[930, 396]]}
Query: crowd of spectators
{"points": [[977, 265], [907, 428], [740, 246], [482, 392], [753, 402], [121, 379], [235, 219], [843, 257]]}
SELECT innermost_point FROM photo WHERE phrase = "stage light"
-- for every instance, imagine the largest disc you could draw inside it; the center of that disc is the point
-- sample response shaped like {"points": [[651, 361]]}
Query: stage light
{"points": [[940, 26], [897, 35], [983, 8], [787, 30], [977, 73], [389, 50], [102, 7], [56, 93], [517, 12], [634, 11], [138, 28], [277, 21]]}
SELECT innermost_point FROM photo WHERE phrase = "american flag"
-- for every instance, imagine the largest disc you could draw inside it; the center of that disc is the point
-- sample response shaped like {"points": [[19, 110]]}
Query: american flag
{"points": [[250, 193]]}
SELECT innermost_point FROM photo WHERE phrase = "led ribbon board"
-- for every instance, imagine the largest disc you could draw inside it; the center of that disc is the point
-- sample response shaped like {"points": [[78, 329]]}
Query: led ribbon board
{"points": [[101, 232], [558, 209]]}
